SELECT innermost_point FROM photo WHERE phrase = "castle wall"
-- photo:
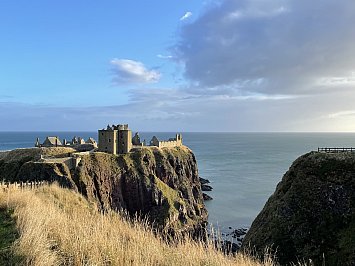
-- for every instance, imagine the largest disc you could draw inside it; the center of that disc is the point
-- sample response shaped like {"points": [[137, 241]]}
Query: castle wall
{"points": [[108, 141], [176, 142], [170, 143]]}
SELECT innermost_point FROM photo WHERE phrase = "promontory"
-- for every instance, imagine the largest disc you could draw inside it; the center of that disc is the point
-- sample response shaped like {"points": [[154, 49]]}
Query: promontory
{"points": [[311, 215]]}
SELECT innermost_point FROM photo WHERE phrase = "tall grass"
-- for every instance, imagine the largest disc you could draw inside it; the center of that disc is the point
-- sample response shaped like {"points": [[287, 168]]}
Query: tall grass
{"points": [[59, 227]]}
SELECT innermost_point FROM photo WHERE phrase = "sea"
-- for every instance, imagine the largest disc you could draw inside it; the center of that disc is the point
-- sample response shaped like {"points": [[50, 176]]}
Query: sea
{"points": [[243, 168]]}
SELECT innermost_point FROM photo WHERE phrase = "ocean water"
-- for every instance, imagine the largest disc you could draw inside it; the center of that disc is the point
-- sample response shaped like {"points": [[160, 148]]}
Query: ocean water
{"points": [[244, 168]]}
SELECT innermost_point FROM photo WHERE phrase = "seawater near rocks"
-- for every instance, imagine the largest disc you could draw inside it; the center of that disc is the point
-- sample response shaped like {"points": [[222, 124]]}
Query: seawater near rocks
{"points": [[230, 241]]}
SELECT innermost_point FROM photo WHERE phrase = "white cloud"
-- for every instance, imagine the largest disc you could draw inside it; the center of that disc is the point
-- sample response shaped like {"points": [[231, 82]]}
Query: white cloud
{"points": [[337, 81], [256, 11], [130, 71], [186, 16], [342, 114], [165, 56]]}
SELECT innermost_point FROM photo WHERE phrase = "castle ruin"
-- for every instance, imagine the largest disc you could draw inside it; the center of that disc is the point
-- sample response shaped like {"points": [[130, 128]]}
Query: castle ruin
{"points": [[172, 142], [117, 139], [54, 141]]}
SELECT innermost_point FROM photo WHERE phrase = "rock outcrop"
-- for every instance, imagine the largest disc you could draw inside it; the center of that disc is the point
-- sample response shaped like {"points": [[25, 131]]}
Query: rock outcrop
{"points": [[161, 184], [311, 215], [11, 162]]}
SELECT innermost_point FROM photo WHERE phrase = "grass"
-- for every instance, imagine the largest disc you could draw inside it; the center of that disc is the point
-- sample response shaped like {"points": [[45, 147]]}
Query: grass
{"points": [[8, 235], [60, 227]]}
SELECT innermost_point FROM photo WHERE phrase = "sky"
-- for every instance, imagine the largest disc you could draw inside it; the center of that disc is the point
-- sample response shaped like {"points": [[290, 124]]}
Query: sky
{"points": [[202, 65]]}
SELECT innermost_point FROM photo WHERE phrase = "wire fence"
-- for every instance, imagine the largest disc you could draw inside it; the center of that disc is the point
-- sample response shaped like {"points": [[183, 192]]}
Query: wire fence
{"points": [[21, 185], [336, 150]]}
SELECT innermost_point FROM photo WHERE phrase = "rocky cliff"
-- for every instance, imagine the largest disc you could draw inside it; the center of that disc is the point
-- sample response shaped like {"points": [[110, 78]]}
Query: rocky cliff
{"points": [[311, 215], [162, 184]]}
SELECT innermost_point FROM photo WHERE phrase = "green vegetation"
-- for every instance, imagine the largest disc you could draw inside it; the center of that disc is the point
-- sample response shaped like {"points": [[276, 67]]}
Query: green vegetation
{"points": [[169, 211], [8, 235]]}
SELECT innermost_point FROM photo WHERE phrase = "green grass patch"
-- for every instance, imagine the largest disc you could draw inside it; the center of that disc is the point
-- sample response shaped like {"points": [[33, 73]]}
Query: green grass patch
{"points": [[8, 235]]}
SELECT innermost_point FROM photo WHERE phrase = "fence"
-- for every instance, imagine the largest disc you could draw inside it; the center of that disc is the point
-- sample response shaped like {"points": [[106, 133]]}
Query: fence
{"points": [[21, 185], [336, 150]]}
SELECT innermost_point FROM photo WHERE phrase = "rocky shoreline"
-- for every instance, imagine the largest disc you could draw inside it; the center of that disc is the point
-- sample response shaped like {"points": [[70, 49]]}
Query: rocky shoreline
{"points": [[205, 187], [230, 240]]}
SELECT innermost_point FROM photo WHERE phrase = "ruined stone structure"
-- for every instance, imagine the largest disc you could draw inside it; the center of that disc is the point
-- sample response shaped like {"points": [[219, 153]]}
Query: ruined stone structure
{"points": [[172, 142], [136, 140], [49, 142], [55, 142], [115, 139]]}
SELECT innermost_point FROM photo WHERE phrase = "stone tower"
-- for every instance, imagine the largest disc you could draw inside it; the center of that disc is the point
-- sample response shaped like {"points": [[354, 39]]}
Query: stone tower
{"points": [[124, 140], [115, 139]]}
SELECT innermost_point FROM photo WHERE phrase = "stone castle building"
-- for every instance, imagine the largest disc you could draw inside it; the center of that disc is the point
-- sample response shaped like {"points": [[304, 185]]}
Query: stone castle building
{"points": [[117, 139]]}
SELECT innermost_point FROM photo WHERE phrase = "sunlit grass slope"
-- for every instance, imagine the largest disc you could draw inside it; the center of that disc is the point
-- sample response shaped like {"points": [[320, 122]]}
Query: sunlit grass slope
{"points": [[57, 226]]}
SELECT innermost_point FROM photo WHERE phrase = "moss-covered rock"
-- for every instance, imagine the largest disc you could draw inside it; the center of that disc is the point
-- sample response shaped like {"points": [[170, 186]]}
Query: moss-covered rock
{"points": [[311, 215]]}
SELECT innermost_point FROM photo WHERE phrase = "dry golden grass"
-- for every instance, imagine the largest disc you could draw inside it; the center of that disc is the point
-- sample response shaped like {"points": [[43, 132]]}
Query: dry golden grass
{"points": [[59, 227]]}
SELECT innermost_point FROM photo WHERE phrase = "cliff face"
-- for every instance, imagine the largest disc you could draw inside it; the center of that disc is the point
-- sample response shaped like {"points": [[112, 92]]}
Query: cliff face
{"points": [[160, 183], [311, 215]]}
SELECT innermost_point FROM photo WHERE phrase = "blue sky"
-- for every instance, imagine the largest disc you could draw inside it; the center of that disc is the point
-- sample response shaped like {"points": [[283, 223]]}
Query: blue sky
{"points": [[64, 48], [228, 65]]}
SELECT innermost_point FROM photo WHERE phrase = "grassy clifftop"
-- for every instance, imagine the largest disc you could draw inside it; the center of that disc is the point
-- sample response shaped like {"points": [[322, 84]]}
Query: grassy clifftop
{"points": [[12, 161]]}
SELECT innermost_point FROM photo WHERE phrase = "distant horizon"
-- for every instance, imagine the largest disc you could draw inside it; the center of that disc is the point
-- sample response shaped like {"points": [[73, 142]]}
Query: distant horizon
{"points": [[242, 132]]}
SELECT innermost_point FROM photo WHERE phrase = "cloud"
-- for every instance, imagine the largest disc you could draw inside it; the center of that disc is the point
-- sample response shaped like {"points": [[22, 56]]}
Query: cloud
{"points": [[342, 114], [165, 56], [130, 71], [271, 47], [186, 16], [173, 109]]}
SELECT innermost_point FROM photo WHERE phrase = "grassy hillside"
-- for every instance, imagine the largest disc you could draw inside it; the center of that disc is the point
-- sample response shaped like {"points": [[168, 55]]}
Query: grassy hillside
{"points": [[57, 226]]}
